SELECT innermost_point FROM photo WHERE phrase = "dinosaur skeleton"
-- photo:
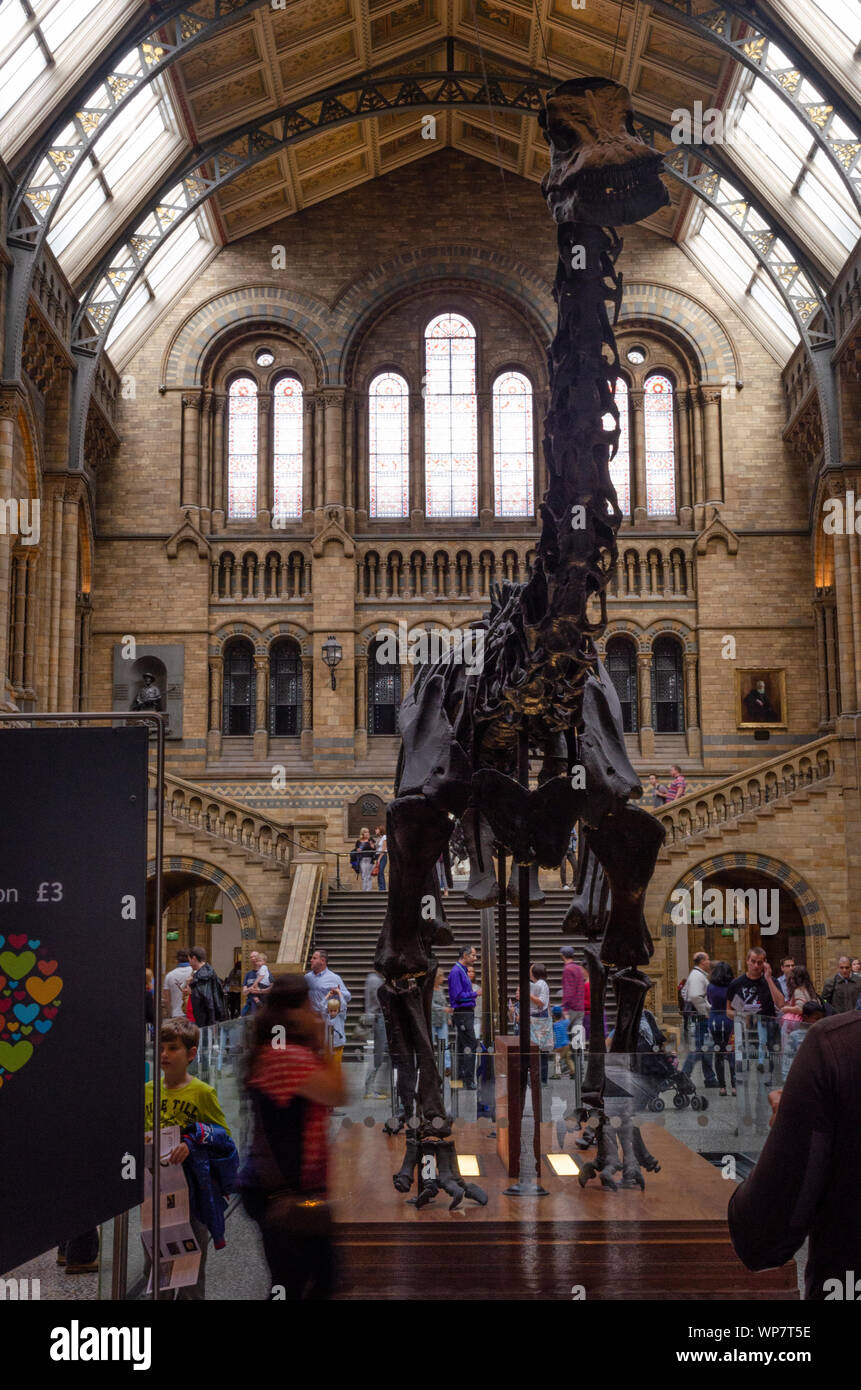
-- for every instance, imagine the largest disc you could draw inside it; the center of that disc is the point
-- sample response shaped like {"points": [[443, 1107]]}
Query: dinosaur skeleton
{"points": [[541, 686]]}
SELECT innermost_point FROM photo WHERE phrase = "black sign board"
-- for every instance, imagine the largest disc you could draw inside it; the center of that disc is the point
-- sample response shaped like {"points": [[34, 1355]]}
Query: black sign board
{"points": [[72, 940]]}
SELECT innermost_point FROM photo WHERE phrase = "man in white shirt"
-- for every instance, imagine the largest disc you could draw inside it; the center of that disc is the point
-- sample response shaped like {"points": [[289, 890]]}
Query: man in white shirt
{"points": [[695, 993], [323, 985], [174, 981]]}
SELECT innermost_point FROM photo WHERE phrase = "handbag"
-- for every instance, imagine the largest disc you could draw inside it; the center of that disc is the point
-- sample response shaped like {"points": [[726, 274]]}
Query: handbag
{"points": [[541, 1031], [285, 1209], [375, 871]]}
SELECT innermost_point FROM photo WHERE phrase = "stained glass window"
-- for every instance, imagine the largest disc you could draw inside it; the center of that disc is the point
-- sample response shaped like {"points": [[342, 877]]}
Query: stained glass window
{"points": [[451, 418], [287, 449], [660, 447], [242, 448], [389, 415], [513, 457], [620, 466]]}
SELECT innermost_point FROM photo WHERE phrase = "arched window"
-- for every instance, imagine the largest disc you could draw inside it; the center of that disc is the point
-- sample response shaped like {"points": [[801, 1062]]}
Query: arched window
{"points": [[239, 691], [513, 459], [668, 710], [242, 448], [384, 694], [285, 688], [389, 420], [451, 418], [622, 670], [620, 466], [660, 446], [287, 426]]}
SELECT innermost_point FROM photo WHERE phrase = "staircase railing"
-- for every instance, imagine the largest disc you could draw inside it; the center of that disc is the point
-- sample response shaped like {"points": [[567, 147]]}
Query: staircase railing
{"points": [[225, 819], [748, 791]]}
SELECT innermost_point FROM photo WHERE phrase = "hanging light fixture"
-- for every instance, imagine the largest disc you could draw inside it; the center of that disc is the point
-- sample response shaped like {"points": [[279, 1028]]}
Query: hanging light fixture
{"points": [[332, 655]]}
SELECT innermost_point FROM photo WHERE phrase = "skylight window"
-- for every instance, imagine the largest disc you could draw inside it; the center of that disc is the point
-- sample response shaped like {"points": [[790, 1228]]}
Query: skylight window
{"points": [[39, 42], [735, 271]]}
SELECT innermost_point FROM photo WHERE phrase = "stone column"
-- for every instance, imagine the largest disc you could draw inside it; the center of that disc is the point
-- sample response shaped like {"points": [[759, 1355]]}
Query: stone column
{"points": [[307, 458], [207, 412], [711, 446], [30, 621], [855, 592], [417, 463], [53, 633], [68, 598], [18, 618], [846, 639], [319, 450], [638, 457], [306, 738], [334, 446], [485, 459], [191, 408], [832, 685], [644, 704], [86, 644], [9, 402], [699, 486], [261, 732], [264, 462], [362, 463], [683, 419], [361, 706], [216, 682], [693, 731], [350, 456], [219, 463]]}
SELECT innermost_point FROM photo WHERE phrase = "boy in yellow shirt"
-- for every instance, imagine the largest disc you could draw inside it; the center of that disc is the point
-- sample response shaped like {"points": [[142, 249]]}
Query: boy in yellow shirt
{"points": [[185, 1100]]}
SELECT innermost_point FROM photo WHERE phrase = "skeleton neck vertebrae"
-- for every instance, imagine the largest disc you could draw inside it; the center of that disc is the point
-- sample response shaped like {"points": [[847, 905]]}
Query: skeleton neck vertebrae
{"points": [[467, 734]]}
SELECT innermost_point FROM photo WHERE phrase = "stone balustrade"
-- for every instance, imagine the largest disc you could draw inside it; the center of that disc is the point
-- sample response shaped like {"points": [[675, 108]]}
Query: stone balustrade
{"points": [[649, 569], [747, 793], [226, 820], [253, 574]]}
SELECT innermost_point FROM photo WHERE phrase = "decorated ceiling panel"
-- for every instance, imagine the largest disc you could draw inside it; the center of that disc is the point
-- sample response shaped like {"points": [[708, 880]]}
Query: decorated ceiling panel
{"points": [[272, 57]]}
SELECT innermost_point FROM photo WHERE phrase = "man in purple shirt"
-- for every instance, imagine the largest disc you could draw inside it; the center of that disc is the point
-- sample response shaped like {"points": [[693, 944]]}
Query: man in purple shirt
{"points": [[573, 994], [678, 786], [462, 997]]}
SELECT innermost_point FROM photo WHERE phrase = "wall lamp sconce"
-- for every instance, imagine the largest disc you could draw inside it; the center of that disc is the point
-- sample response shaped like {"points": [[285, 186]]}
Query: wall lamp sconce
{"points": [[333, 653]]}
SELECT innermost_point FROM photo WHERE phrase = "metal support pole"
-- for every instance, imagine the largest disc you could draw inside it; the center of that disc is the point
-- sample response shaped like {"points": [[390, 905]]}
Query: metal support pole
{"points": [[526, 1186], [502, 943]]}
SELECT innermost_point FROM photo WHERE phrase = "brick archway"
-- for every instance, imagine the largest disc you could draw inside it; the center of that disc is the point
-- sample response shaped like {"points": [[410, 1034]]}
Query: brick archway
{"points": [[809, 907], [210, 873]]}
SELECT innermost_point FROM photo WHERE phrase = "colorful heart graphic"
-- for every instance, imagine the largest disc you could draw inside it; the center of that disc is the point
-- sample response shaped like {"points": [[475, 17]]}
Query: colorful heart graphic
{"points": [[44, 991], [14, 1056], [16, 967], [33, 1006], [2, 942]]}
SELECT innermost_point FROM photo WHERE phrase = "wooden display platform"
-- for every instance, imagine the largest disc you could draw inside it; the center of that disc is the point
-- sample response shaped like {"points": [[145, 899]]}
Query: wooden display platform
{"points": [[669, 1242]]}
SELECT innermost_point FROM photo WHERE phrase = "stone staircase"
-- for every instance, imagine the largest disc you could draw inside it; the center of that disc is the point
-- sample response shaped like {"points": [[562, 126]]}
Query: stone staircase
{"points": [[237, 759], [748, 798], [348, 924], [254, 851]]}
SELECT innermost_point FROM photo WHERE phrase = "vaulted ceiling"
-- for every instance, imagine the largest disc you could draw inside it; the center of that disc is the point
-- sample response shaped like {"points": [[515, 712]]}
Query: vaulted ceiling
{"points": [[275, 56]]}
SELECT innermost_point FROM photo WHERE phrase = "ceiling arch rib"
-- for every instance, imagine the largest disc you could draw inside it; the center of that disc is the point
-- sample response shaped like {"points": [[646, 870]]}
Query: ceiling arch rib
{"points": [[778, 61], [238, 150]]}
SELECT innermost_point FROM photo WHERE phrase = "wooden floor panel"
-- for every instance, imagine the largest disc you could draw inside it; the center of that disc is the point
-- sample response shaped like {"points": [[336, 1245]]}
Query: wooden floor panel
{"points": [[670, 1241]]}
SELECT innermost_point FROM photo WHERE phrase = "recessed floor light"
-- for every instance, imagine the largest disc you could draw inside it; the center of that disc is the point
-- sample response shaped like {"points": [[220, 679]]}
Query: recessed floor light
{"points": [[563, 1165]]}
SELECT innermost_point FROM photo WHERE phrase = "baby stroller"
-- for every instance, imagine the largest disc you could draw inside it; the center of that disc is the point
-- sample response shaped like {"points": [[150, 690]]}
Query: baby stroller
{"points": [[661, 1071]]}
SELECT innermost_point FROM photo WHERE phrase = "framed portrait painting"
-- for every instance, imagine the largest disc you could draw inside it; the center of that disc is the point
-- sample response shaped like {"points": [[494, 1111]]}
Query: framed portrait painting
{"points": [[760, 697]]}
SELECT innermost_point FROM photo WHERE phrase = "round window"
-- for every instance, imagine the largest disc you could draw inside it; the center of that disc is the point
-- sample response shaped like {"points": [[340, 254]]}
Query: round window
{"points": [[636, 355], [264, 358]]}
